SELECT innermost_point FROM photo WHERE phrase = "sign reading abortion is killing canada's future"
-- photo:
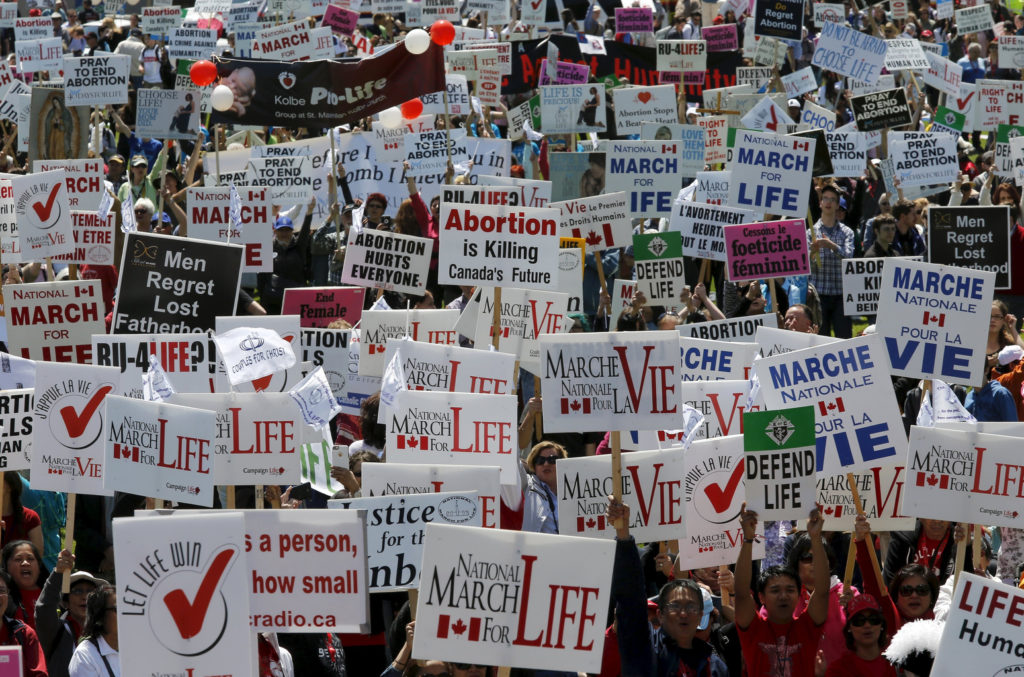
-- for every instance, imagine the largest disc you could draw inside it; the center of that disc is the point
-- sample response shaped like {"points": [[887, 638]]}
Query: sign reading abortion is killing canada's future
{"points": [[934, 320], [756, 251], [778, 452]]}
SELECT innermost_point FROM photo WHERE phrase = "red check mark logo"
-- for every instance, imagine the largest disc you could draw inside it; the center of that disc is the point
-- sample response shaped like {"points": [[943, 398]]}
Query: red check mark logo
{"points": [[189, 616], [536, 5], [722, 499], [43, 211], [76, 422]]}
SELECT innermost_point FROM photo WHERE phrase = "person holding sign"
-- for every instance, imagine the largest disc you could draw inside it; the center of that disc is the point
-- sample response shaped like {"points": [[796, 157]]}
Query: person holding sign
{"points": [[674, 647], [779, 645], [15, 633], [831, 242]]}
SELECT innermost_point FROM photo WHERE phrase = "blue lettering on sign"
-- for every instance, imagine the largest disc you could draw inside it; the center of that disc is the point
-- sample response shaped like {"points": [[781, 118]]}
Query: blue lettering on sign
{"points": [[707, 360], [651, 201], [872, 442], [954, 362], [772, 199]]}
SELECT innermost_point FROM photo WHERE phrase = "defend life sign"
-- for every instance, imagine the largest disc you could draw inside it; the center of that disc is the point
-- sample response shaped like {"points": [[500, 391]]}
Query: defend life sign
{"points": [[972, 237], [159, 450], [778, 454], [209, 218], [756, 251], [858, 422], [651, 487], [498, 245], [934, 320], [548, 615], [650, 171], [619, 381], [771, 174], [659, 266], [54, 321]]}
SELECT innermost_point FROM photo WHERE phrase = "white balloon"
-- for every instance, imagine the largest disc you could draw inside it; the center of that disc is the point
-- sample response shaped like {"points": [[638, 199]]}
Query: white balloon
{"points": [[391, 117], [417, 41], [222, 98]]}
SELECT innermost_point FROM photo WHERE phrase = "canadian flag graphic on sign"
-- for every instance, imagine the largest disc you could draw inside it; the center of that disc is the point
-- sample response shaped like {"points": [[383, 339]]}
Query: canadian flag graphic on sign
{"points": [[834, 407], [593, 237], [413, 442], [939, 319], [446, 626], [577, 405]]}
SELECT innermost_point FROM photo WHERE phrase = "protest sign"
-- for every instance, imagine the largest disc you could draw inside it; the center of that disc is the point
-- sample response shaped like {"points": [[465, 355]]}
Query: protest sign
{"points": [[293, 42], [775, 341], [69, 420], [650, 171], [964, 476], [720, 38], [159, 271], [566, 109], [947, 340], [999, 102], [16, 372], [619, 382], [167, 114], [458, 97], [209, 218], [651, 487], [756, 251], [880, 490], [904, 54], [862, 279], [8, 14], [635, 105], [943, 74], [386, 479], [340, 20], [779, 18], [319, 306], [700, 227], [16, 423], [813, 116], [384, 260], [430, 326], [189, 360], [96, 80], [755, 76], [766, 115], [1004, 135], [525, 315], [288, 180], [715, 132], [721, 403], [158, 450], [827, 11], [634, 19], [54, 321], [257, 354], [48, 141], [858, 422], [32, 28], [603, 220], [691, 136], [682, 55], [848, 151], [337, 352], [389, 144], [512, 632], [160, 20], [778, 455], [258, 436], [851, 53], [430, 151], [923, 158], [973, 19], [972, 237], [498, 245], [504, 50], [741, 329], [40, 55], [771, 173], [160, 628], [951, 122], [458, 428], [393, 561], [191, 43], [704, 360], [524, 192], [43, 214], [84, 180], [799, 82], [880, 110], [659, 267], [566, 73]]}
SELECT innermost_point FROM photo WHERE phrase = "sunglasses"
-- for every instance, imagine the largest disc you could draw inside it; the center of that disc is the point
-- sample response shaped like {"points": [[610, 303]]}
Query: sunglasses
{"points": [[376, 205], [921, 590], [871, 619], [541, 460]]}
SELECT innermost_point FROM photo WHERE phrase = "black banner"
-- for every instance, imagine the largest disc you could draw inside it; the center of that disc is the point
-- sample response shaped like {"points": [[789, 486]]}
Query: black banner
{"points": [[971, 237], [326, 93], [881, 110], [779, 19], [173, 285], [822, 159]]}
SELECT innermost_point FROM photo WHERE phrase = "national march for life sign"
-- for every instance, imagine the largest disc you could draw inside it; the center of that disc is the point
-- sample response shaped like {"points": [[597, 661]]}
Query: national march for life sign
{"points": [[778, 453], [771, 173], [620, 381], [651, 487], [650, 171], [964, 476], [756, 251], [858, 423], [54, 321], [548, 614], [934, 320]]}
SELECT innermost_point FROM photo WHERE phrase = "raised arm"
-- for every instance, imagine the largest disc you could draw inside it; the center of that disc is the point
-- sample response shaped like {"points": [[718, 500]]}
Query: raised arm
{"points": [[744, 600]]}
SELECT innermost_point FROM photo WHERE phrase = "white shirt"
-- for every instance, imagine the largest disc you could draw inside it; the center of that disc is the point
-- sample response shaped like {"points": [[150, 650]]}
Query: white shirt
{"points": [[87, 661]]}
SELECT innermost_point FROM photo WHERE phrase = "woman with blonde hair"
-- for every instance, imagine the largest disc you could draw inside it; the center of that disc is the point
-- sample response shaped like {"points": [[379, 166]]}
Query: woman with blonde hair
{"points": [[540, 508]]}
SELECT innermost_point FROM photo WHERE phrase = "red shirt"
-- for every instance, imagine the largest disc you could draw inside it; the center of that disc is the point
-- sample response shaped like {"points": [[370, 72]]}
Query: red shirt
{"points": [[19, 532], [851, 665], [788, 650]]}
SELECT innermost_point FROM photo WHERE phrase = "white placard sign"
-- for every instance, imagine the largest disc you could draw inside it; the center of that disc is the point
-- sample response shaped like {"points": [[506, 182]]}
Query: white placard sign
{"points": [[799, 82], [552, 619], [430, 326], [634, 105], [771, 173], [192, 43], [380, 259], [429, 151], [934, 319], [943, 74], [189, 360], [96, 80], [923, 158], [84, 180], [566, 109], [603, 220], [40, 55], [774, 341], [16, 424], [700, 226], [903, 54], [704, 360], [848, 151], [43, 213], [851, 53], [881, 494], [742, 329], [862, 280], [53, 321], [385, 479], [973, 19], [683, 56], [209, 218], [722, 404], [649, 171], [858, 424], [525, 316]]}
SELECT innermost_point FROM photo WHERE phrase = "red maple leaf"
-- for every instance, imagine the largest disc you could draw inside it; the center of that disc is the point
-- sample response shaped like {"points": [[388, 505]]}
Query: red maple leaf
{"points": [[458, 627], [590, 523], [829, 510], [831, 405], [1015, 513], [411, 441], [932, 479], [575, 405], [594, 239]]}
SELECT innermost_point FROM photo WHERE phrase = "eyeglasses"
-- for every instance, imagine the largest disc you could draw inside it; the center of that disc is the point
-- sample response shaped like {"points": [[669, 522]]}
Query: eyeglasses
{"points": [[676, 608], [998, 317], [829, 199], [141, 211], [541, 460], [871, 619], [375, 205], [920, 590]]}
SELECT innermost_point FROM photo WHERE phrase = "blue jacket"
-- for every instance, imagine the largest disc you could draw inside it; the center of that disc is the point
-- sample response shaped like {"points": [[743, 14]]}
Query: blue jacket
{"points": [[647, 652], [991, 402]]}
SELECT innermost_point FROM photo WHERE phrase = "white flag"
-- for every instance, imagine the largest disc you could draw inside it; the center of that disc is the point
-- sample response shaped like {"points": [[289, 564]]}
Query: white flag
{"points": [[393, 380], [250, 353], [380, 304], [128, 223], [315, 399], [946, 405], [106, 202], [235, 211], [155, 385], [925, 415]]}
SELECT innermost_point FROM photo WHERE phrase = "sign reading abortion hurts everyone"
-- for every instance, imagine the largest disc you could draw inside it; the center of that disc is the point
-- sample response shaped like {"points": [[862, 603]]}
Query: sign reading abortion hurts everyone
{"points": [[756, 251]]}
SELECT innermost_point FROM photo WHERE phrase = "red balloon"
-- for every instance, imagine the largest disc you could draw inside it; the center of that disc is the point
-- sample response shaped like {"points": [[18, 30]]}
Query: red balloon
{"points": [[203, 73], [442, 32], [412, 109]]}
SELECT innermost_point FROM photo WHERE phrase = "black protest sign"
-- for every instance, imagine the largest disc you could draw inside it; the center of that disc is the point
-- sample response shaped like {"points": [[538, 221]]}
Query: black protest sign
{"points": [[879, 110], [172, 285], [779, 19], [822, 158], [971, 237]]}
